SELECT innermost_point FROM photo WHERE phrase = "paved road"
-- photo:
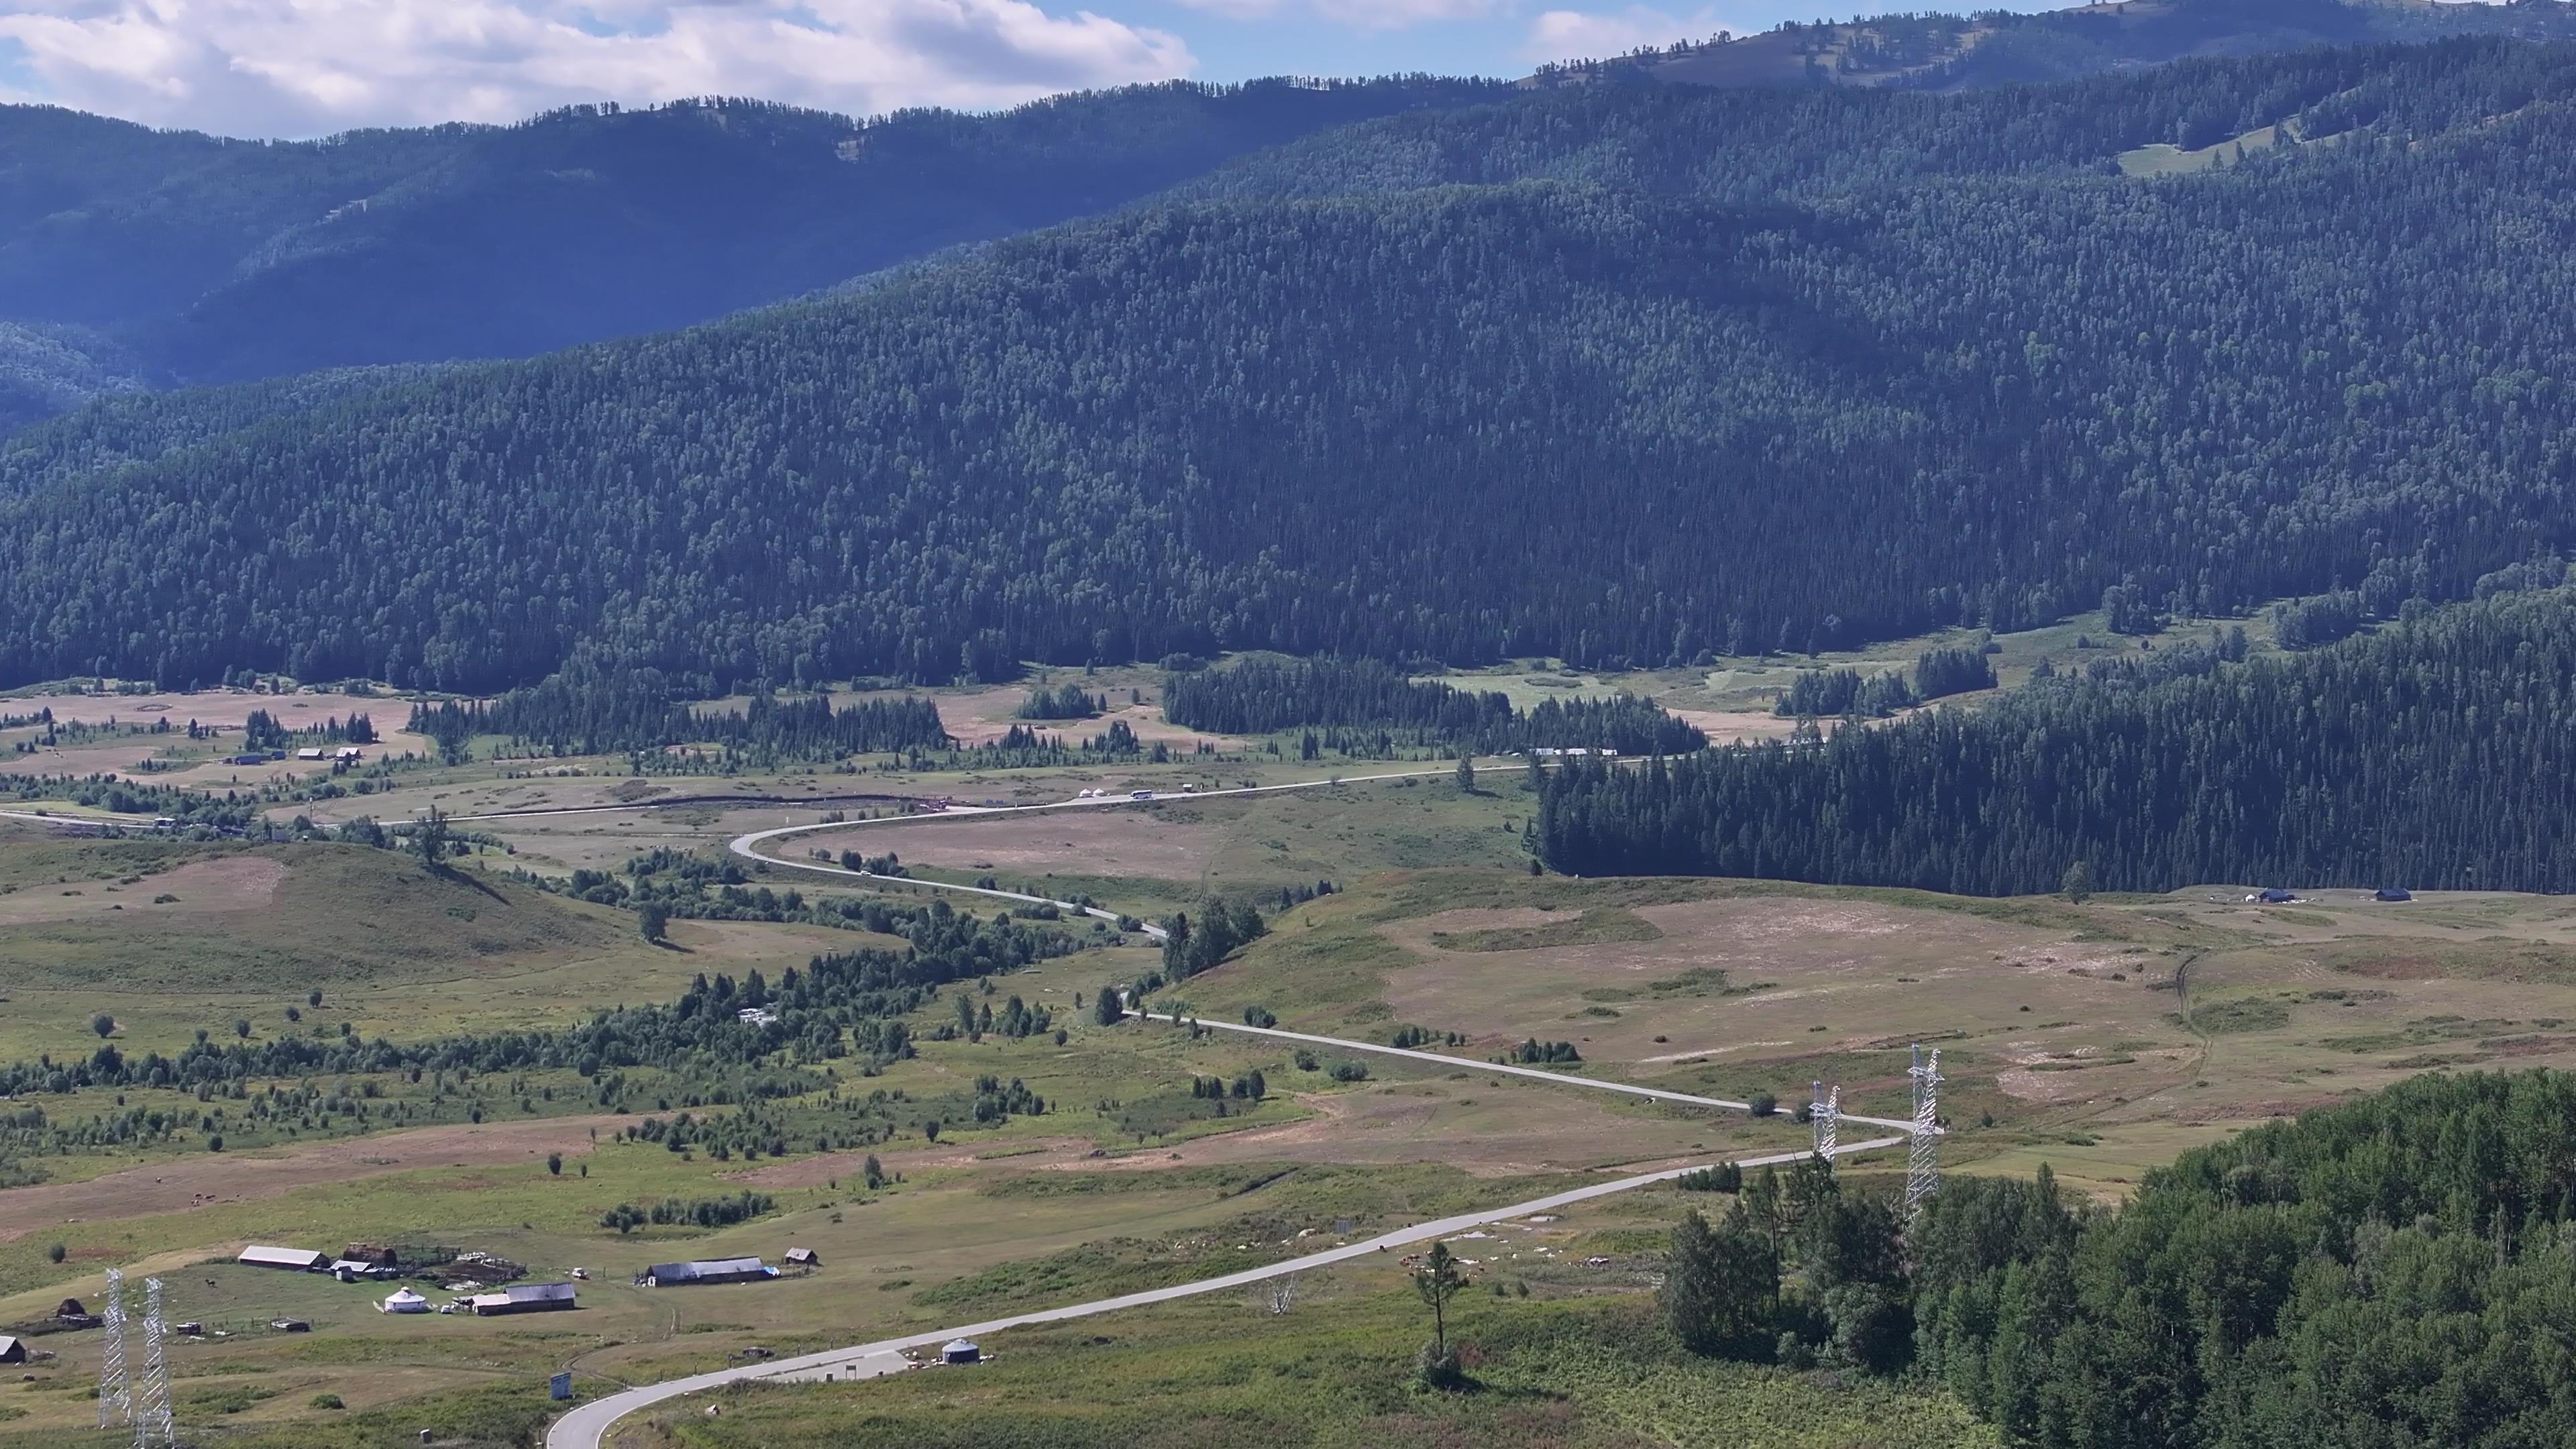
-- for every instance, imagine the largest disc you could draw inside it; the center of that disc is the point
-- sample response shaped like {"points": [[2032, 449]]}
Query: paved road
{"points": [[1562, 1079], [585, 1426]]}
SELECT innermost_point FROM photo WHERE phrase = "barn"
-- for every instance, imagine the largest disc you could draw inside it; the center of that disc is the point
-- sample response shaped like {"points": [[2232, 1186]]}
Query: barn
{"points": [[12, 1350], [717, 1270], [300, 1260], [523, 1298]]}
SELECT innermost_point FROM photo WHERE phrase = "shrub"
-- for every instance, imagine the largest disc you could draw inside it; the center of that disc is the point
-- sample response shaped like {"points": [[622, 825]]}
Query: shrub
{"points": [[1347, 1071]]}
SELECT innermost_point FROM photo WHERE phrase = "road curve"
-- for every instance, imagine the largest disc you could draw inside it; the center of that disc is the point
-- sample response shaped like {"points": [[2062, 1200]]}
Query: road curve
{"points": [[585, 1426], [747, 846]]}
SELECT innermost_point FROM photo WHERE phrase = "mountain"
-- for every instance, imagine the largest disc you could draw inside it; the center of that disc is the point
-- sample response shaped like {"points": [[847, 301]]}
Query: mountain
{"points": [[1621, 374], [1954, 52], [191, 258]]}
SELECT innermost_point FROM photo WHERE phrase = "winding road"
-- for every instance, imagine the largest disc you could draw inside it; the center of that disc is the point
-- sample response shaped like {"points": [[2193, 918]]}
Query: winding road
{"points": [[586, 1426]]}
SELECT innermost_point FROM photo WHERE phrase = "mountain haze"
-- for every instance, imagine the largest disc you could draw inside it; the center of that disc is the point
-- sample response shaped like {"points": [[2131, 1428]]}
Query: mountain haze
{"points": [[170, 257]]}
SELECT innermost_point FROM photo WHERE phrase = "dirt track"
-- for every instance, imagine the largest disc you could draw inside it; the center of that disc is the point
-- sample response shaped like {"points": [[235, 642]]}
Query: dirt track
{"points": [[224, 1177]]}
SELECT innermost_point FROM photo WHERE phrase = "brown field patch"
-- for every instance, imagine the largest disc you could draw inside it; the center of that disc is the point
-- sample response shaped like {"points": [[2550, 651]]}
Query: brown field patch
{"points": [[203, 887], [1107, 842], [983, 716], [186, 1182], [1736, 726]]}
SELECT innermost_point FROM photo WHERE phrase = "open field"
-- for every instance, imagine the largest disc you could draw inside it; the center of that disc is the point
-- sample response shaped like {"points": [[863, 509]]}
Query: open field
{"points": [[170, 938], [113, 733], [2120, 1030]]}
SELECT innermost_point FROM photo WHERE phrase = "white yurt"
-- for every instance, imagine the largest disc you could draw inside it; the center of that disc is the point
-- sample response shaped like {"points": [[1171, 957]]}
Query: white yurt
{"points": [[404, 1301]]}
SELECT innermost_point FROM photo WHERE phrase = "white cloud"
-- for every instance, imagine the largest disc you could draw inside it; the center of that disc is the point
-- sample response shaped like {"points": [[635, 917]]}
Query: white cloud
{"points": [[308, 67], [1361, 15], [1586, 35]]}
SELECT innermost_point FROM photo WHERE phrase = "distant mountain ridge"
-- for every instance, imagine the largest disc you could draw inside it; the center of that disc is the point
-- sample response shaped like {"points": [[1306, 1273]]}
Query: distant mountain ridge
{"points": [[139, 258], [1936, 51], [186, 258]]}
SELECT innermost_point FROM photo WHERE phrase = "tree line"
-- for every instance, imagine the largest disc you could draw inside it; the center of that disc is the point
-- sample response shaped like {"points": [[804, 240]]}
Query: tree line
{"points": [[2436, 753], [1260, 696], [593, 710]]}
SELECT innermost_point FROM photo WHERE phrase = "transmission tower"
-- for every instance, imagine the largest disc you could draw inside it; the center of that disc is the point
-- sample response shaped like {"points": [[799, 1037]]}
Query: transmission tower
{"points": [[153, 1424], [1828, 1115], [1923, 1159], [115, 1394]]}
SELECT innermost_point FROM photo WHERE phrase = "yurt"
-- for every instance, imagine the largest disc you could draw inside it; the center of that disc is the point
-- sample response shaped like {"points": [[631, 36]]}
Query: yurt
{"points": [[405, 1301], [961, 1350]]}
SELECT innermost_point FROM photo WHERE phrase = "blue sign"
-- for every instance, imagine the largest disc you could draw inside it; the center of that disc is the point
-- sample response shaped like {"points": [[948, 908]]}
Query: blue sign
{"points": [[561, 1386]]}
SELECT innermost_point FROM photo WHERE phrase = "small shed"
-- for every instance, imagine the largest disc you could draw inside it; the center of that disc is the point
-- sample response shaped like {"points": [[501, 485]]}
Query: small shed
{"points": [[403, 1300], [960, 1350], [523, 1298], [2392, 893], [805, 1257], [12, 1350], [300, 1260]]}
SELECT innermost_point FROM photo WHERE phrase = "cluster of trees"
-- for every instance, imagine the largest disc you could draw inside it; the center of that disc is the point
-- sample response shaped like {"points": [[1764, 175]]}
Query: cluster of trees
{"points": [[1819, 693], [196, 813], [1221, 929], [2430, 754], [1260, 696], [1071, 701], [1315, 406], [705, 1212], [1016, 1020], [1250, 1087], [2392, 1270], [264, 731], [1533, 1052], [592, 710], [1422, 1036]]}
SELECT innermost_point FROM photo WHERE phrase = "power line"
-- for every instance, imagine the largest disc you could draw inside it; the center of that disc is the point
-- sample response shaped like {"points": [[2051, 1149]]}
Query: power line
{"points": [[115, 1391], [1923, 1158], [153, 1424]]}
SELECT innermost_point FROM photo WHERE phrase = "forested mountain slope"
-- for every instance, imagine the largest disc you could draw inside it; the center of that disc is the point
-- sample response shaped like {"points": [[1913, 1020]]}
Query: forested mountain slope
{"points": [[2433, 754], [1947, 52], [1674, 370], [217, 259]]}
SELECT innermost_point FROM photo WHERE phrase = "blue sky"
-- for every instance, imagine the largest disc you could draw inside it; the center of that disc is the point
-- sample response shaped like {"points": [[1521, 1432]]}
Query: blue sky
{"points": [[296, 68]]}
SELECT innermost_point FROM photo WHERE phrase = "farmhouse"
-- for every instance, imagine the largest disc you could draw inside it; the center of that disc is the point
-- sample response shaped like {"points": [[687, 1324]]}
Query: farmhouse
{"points": [[301, 1260], [805, 1257], [12, 1350], [719, 1270], [523, 1298]]}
